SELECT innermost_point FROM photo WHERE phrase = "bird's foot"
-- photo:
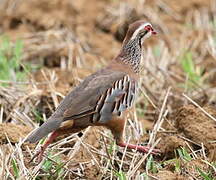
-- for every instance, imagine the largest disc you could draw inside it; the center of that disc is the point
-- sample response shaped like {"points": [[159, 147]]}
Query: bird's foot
{"points": [[144, 149], [38, 155]]}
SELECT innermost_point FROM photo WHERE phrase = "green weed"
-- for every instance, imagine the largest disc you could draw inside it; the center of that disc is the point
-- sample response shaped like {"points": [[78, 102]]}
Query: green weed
{"points": [[15, 168], [204, 175], [38, 116], [193, 73], [10, 56], [121, 175], [183, 154], [11, 68], [55, 170], [152, 166], [176, 163]]}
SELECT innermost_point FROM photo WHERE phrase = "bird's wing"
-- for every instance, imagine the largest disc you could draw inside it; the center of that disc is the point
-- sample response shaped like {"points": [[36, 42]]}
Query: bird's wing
{"points": [[110, 93], [87, 99], [80, 102]]}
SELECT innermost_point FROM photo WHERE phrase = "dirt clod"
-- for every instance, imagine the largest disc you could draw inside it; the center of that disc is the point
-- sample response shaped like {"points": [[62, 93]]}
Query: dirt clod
{"points": [[169, 143], [13, 132], [168, 175], [195, 125]]}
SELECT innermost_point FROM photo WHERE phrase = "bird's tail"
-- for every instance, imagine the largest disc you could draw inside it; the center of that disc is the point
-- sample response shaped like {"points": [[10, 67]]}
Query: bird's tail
{"points": [[43, 130]]}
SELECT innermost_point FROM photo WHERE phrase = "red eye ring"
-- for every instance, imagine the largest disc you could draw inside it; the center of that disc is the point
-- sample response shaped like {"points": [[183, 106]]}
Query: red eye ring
{"points": [[149, 28]]}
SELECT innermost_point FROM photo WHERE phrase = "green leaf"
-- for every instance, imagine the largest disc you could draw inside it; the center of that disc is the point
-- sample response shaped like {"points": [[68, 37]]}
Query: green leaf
{"points": [[176, 162], [47, 165], [38, 116], [10, 56], [183, 154], [18, 49], [193, 73], [149, 162], [59, 169], [5, 44], [121, 175], [203, 174], [15, 168], [177, 166]]}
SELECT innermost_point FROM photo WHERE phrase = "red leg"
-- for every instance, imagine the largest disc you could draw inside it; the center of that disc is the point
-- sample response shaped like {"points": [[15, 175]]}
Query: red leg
{"points": [[117, 128], [43, 148], [139, 148]]}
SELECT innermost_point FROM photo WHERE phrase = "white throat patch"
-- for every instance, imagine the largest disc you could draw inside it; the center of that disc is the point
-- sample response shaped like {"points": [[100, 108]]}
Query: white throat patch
{"points": [[141, 27]]}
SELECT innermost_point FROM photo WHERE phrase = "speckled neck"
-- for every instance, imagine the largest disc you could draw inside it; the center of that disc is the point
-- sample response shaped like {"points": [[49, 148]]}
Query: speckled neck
{"points": [[131, 54]]}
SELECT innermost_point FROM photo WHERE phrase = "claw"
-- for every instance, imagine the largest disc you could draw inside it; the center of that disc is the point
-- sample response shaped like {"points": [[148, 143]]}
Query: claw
{"points": [[146, 149], [38, 155]]}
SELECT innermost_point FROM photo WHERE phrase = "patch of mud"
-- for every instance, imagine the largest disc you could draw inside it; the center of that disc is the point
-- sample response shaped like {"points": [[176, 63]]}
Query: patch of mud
{"points": [[77, 17], [168, 145], [36, 16], [147, 124], [169, 175], [195, 125], [13, 132], [169, 16]]}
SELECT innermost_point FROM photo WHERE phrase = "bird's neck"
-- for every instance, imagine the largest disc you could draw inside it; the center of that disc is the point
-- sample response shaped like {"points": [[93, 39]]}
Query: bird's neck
{"points": [[131, 54]]}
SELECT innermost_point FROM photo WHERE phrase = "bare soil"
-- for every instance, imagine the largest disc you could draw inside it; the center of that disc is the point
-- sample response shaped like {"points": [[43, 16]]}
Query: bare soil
{"points": [[196, 126], [12, 132]]}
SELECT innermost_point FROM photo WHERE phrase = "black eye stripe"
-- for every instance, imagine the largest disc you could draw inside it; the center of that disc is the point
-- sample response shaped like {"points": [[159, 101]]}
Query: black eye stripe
{"points": [[143, 33]]}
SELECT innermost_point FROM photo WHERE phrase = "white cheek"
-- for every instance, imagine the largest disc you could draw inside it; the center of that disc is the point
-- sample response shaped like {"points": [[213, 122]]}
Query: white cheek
{"points": [[142, 40], [141, 60], [145, 37]]}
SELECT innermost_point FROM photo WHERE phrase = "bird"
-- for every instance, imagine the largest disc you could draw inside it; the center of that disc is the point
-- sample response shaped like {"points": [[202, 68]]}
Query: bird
{"points": [[102, 99]]}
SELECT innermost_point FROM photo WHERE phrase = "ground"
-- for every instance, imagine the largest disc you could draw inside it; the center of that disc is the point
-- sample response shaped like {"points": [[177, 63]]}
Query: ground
{"points": [[65, 41]]}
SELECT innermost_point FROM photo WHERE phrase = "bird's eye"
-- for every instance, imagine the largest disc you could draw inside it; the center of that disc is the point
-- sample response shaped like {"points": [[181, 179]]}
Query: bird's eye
{"points": [[148, 28]]}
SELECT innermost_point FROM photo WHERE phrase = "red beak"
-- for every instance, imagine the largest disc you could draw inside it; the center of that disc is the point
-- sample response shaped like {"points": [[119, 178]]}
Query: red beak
{"points": [[154, 32]]}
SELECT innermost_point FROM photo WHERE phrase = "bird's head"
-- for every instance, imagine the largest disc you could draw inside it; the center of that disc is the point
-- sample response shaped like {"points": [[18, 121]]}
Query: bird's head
{"points": [[139, 30], [131, 51]]}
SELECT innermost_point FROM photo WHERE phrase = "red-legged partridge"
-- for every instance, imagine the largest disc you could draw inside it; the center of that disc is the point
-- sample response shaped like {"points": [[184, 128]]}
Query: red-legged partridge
{"points": [[104, 97]]}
